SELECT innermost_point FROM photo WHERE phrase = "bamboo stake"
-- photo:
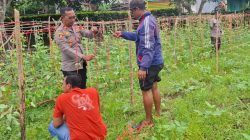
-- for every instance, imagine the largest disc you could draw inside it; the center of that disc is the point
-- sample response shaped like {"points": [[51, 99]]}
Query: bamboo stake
{"points": [[248, 20], [202, 31], [96, 63], [189, 41], [130, 62], [106, 47], [20, 74], [87, 52], [175, 29], [87, 26], [178, 37], [1, 37], [51, 45], [217, 49], [167, 31], [170, 34], [230, 30], [107, 51], [50, 40]]}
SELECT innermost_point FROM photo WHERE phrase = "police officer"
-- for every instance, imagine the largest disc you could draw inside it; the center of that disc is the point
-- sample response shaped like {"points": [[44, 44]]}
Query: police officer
{"points": [[216, 31], [68, 38]]}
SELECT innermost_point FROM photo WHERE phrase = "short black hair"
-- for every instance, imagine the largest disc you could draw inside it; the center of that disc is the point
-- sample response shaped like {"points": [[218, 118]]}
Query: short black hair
{"points": [[74, 80], [141, 4], [64, 9]]}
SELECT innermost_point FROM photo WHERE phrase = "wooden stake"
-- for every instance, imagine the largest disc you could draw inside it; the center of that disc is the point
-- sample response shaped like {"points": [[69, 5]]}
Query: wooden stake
{"points": [[217, 49], [230, 29], [167, 31], [20, 74], [106, 47], [130, 62], [189, 41], [107, 51], [97, 44], [52, 58], [50, 40], [87, 52], [179, 41], [1, 37], [202, 31], [87, 26], [175, 38]]}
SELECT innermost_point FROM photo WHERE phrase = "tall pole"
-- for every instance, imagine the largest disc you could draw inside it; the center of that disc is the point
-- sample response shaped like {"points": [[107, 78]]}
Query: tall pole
{"points": [[216, 43], [20, 74], [130, 60]]}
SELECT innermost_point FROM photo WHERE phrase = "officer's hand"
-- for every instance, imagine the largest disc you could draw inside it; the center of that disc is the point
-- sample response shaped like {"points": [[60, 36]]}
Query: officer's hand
{"points": [[89, 57], [117, 34], [141, 74]]}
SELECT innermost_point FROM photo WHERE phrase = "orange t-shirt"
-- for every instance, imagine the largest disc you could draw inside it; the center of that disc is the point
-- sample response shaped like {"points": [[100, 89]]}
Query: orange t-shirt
{"points": [[82, 112]]}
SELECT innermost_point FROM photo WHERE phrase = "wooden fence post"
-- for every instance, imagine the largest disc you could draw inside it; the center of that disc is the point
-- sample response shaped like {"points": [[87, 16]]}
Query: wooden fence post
{"points": [[50, 39], [97, 44], [20, 74], [202, 31], [189, 40], [130, 62], [175, 38], [1, 36], [87, 52], [106, 47], [230, 30], [217, 49], [51, 45]]}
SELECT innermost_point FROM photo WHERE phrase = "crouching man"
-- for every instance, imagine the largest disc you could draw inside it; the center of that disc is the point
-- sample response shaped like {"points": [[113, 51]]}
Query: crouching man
{"points": [[77, 113]]}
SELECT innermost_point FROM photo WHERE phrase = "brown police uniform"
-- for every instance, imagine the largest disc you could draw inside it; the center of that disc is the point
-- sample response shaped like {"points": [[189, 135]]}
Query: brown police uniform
{"points": [[69, 41], [216, 32]]}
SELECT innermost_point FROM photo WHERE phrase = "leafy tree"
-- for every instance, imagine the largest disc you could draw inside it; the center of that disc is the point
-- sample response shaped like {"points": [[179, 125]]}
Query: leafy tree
{"points": [[94, 4], [221, 5], [186, 4], [4, 4], [38, 6], [53, 6]]}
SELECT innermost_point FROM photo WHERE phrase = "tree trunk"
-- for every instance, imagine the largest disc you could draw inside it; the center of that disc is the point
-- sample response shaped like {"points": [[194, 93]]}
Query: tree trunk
{"points": [[2, 17], [201, 6], [4, 4], [2, 11], [20, 74], [57, 8], [187, 6], [178, 6]]}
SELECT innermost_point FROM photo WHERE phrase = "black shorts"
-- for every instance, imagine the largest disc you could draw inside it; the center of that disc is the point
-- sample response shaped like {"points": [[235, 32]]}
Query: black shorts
{"points": [[151, 77], [81, 72]]}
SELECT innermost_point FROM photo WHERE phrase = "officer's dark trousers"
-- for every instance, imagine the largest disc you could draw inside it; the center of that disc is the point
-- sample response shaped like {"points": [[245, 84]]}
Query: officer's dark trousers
{"points": [[81, 72]]}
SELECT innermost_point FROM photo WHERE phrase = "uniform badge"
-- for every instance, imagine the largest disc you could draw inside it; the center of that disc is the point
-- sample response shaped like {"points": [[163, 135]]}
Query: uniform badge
{"points": [[61, 35], [66, 33], [70, 43]]}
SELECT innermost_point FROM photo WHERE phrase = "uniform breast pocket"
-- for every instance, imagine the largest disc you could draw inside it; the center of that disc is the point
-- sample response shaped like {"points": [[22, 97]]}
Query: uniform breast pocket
{"points": [[78, 37]]}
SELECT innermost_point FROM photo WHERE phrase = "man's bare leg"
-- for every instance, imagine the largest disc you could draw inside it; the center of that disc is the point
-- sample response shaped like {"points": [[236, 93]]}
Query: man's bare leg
{"points": [[148, 104], [157, 99]]}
